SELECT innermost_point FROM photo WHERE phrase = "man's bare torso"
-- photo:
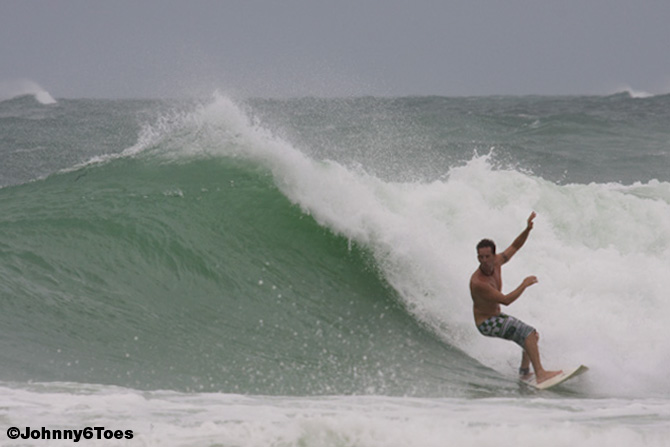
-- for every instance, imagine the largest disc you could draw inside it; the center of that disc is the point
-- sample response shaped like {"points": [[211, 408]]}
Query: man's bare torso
{"points": [[482, 308]]}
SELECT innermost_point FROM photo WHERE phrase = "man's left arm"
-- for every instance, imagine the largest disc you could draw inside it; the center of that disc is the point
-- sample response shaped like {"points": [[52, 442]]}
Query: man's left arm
{"points": [[519, 241]]}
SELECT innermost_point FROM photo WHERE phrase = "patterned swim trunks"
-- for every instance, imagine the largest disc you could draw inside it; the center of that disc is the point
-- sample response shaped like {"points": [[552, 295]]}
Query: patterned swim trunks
{"points": [[507, 327]]}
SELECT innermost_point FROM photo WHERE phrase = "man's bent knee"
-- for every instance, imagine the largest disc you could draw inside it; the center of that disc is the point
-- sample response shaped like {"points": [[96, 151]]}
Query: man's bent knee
{"points": [[533, 338]]}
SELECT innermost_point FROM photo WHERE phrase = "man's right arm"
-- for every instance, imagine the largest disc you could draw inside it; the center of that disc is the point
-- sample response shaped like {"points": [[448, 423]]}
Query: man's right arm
{"points": [[487, 292]]}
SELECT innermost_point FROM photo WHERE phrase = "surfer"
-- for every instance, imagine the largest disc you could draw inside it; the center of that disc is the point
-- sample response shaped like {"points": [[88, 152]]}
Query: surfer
{"points": [[487, 296]]}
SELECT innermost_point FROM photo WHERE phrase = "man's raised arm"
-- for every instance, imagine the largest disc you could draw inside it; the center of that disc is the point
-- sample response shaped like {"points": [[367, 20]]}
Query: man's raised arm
{"points": [[519, 241]]}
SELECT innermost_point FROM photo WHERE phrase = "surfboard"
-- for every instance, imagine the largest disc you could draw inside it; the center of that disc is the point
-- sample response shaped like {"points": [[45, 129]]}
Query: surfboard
{"points": [[567, 374]]}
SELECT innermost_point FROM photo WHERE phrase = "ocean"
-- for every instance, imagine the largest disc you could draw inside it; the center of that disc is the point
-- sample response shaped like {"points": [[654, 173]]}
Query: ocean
{"points": [[294, 272]]}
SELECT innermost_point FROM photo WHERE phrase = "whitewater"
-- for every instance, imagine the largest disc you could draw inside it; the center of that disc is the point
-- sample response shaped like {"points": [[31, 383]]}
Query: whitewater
{"points": [[295, 272]]}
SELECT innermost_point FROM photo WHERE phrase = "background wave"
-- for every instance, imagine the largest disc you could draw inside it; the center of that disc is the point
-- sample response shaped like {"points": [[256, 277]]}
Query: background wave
{"points": [[22, 87]]}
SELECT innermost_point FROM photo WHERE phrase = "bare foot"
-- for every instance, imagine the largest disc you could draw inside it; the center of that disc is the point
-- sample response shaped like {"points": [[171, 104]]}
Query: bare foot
{"points": [[546, 375]]}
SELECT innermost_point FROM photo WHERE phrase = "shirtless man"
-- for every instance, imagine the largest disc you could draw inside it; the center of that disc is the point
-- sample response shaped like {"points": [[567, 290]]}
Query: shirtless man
{"points": [[487, 296]]}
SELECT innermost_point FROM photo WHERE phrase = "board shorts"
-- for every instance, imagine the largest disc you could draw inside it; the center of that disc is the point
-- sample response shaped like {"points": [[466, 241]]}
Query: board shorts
{"points": [[507, 327]]}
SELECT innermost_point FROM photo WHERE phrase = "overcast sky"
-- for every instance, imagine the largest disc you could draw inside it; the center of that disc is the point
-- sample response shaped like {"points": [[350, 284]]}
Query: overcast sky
{"points": [[151, 48]]}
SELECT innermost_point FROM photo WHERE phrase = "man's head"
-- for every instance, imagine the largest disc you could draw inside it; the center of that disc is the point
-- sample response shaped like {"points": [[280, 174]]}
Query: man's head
{"points": [[487, 243], [486, 253]]}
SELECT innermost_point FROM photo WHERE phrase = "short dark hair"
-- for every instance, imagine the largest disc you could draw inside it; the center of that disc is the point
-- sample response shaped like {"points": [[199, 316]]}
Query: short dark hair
{"points": [[487, 243]]}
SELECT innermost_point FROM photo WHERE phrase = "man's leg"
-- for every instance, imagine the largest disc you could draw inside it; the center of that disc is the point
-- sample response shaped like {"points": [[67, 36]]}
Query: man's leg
{"points": [[532, 352], [524, 369]]}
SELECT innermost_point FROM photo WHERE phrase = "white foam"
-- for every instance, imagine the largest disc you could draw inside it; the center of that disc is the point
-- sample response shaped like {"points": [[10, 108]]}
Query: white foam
{"points": [[169, 419]]}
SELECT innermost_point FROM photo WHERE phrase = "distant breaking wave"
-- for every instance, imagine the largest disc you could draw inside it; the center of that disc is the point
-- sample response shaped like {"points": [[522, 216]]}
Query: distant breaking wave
{"points": [[634, 93], [22, 87]]}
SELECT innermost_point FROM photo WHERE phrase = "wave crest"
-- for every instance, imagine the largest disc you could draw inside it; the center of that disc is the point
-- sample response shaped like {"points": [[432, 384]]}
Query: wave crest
{"points": [[23, 87]]}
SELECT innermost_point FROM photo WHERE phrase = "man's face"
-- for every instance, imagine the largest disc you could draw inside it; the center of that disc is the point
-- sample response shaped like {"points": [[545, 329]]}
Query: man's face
{"points": [[486, 257]]}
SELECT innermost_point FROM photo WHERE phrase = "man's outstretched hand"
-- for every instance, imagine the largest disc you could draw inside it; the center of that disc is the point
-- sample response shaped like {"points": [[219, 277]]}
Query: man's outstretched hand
{"points": [[530, 220]]}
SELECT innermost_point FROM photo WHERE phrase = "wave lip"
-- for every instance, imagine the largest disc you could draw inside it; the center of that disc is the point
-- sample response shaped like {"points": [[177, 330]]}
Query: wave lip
{"points": [[23, 87]]}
